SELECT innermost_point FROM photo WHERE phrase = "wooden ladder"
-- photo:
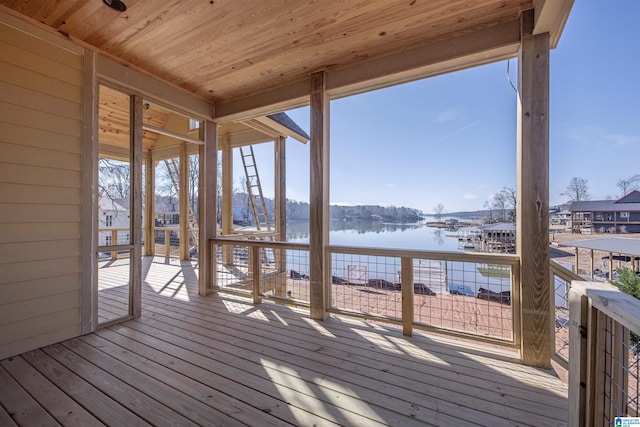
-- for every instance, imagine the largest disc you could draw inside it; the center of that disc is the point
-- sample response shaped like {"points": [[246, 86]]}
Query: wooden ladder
{"points": [[254, 189], [174, 174]]}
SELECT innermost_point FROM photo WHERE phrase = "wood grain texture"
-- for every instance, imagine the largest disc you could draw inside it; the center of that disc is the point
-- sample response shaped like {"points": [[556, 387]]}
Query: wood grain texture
{"points": [[226, 50], [319, 195], [224, 361], [533, 193]]}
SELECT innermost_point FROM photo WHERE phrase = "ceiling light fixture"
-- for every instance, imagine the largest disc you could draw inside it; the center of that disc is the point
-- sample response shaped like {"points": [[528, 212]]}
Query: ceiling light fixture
{"points": [[116, 4]]}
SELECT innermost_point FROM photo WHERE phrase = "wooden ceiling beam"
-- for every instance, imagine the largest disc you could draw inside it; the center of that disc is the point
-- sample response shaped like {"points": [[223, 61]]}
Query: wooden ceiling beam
{"points": [[264, 103], [466, 51], [156, 90], [241, 139], [480, 47], [172, 134]]}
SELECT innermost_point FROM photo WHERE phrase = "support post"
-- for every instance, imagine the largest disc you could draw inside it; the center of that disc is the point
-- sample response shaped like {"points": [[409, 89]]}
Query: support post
{"points": [[89, 233], [136, 216], [150, 205], [280, 223], [533, 194], [319, 195], [207, 206], [183, 199], [227, 199]]}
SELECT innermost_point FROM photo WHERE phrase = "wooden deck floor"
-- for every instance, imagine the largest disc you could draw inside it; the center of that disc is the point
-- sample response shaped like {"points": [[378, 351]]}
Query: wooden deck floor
{"points": [[220, 361]]}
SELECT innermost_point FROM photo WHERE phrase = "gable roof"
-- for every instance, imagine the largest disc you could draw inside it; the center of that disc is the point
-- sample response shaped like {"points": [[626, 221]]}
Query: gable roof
{"points": [[109, 204], [288, 122], [627, 203], [632, 197]]}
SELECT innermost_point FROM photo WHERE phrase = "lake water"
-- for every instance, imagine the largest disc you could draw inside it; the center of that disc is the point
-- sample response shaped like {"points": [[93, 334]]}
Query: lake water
{"points": [[377, 234], [414, 236], [465, 277]]}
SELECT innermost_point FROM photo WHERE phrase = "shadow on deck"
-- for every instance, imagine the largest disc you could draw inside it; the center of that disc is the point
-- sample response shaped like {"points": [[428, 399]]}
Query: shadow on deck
{"points": [[222, 361]]}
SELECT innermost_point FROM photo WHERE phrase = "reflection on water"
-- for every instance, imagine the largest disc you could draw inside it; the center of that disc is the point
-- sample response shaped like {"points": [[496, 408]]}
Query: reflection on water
{"points": [[379, 234]]}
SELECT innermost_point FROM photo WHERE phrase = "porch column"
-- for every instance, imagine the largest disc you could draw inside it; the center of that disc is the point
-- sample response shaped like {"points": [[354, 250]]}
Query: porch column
{"points": [[150, 204], [227, 198], [135, 220], [280, 168], [533, 195], [319, 195], [183, 200], [207, 205], [280, 220]]}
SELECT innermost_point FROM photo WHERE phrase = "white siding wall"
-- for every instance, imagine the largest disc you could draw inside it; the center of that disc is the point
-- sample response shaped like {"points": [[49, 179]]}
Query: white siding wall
{"points": [[40, 190]]}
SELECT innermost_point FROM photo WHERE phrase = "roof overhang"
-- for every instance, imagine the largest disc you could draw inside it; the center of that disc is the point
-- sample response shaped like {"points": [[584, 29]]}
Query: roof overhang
{"points": [[618, 245]]}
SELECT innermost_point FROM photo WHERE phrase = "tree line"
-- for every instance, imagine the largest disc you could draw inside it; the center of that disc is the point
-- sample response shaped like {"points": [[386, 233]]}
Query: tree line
{"points": [[502, 206], [578, 188]]}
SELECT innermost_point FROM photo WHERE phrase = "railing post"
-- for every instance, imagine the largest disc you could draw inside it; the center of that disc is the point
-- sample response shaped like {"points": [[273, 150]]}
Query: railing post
{"points": [[167, 243], [579, 357], [114, 241], [406, 283], [256, 269]]}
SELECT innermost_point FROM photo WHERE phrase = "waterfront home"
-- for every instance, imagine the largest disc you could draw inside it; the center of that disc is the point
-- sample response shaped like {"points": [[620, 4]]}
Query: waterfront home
{"points": [[607, 216]]}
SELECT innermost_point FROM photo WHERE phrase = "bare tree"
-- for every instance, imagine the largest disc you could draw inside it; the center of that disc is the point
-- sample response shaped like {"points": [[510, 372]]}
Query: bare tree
{"points": [[437, 211], [629, 184], [114, 179], [193, 174], [165, 186], [577, 190], [502, 207]]}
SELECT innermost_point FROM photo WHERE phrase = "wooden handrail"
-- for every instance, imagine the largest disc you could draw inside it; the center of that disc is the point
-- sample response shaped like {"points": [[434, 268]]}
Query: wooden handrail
{"points": [[259, 243], [486, 258], [593, 306]]}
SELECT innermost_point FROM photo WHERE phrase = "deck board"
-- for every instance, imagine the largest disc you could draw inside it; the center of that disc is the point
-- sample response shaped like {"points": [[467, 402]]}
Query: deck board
{"points": [[53, 400], [222, 361]]}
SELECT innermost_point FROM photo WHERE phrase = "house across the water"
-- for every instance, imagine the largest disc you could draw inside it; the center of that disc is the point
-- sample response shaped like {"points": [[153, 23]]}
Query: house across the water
{"points": [[607, 216]]}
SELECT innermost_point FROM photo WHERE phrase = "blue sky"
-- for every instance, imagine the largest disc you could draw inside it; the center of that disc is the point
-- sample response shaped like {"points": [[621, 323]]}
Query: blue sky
{"points": [[452, 139]]}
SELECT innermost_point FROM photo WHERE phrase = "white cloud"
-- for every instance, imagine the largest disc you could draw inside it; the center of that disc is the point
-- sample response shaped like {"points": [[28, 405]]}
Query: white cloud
{"points": [[447, 115], [469, 196]]}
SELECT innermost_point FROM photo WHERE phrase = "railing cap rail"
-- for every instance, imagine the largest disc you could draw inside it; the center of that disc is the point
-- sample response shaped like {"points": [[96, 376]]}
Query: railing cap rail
{"points": [[488, 258]]}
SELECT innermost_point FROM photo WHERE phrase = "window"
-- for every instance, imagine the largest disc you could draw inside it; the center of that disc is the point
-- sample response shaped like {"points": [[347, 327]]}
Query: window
{"points": [[598, 216], [108, 220], [193, 125], [624, 214]]}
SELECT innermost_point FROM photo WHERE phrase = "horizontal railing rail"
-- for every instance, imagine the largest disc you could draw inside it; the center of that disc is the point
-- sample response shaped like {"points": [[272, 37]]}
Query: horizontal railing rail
{"points": [[604, 364]]}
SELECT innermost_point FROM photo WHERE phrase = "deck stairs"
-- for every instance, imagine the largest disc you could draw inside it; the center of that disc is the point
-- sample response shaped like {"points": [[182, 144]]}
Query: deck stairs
{"points": [[173, 168]]}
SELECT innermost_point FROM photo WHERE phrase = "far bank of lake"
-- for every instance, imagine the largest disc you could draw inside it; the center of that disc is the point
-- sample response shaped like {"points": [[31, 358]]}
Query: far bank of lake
{"points": [[368, 233]]}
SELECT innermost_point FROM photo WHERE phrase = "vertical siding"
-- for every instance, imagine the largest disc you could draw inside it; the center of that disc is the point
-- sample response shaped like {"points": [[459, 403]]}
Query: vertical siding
{"points": [[40, 190]]}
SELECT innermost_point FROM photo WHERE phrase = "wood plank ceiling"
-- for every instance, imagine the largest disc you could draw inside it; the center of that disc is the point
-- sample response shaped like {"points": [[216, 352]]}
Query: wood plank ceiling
{"points": [[224, 50]]}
